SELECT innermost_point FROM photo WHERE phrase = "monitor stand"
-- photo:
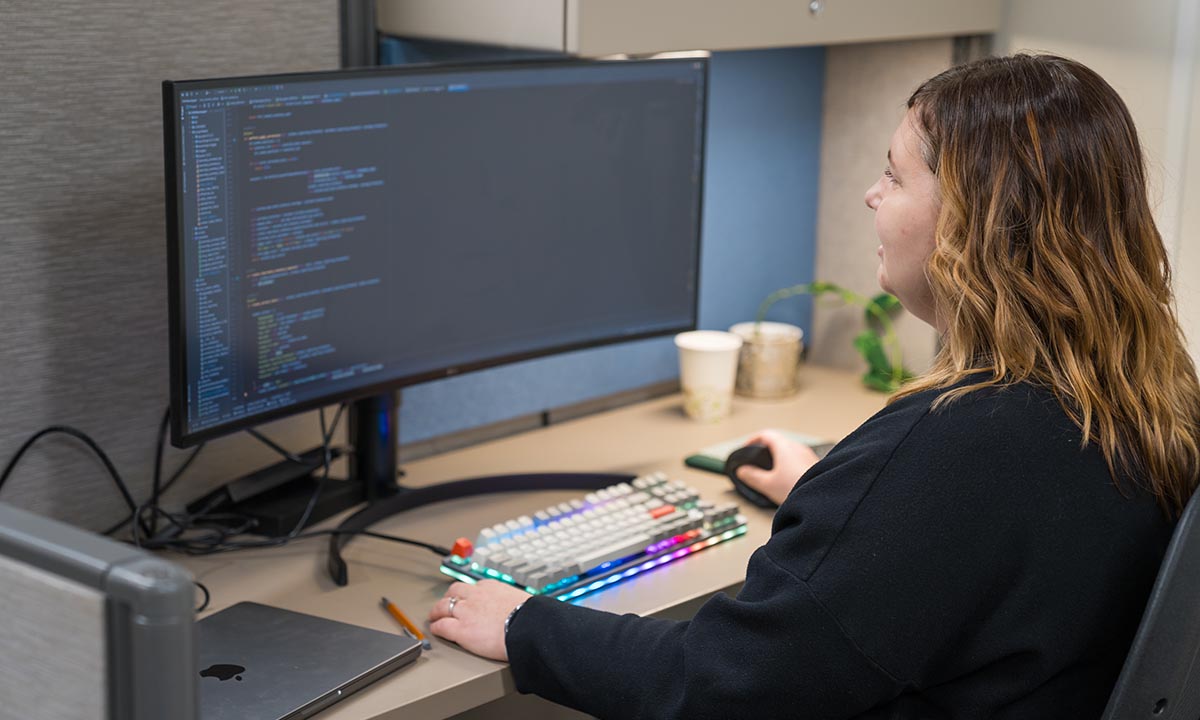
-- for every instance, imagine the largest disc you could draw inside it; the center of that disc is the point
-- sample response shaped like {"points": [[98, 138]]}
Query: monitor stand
{"points": [[374, 463], [407, 499], [274, 498]]}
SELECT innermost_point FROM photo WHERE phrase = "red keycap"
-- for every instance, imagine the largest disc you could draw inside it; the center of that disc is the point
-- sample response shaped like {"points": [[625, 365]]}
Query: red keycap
{"points": [[462, 548], [658, 512]]}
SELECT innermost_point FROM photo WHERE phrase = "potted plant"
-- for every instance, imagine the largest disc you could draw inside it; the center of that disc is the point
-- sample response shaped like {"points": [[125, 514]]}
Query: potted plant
{"points": [[762, 363]]}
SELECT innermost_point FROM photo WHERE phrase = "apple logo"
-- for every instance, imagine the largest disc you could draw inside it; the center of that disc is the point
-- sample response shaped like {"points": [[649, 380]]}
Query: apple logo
{"points": [[223, 672]]}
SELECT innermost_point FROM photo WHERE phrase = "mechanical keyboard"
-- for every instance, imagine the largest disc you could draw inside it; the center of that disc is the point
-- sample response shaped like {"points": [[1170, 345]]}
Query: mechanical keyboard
{"points": [[590, 543]]}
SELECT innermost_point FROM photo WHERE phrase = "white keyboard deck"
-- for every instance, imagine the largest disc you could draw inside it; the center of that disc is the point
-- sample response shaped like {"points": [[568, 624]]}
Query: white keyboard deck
{"points": [[589, 543]]}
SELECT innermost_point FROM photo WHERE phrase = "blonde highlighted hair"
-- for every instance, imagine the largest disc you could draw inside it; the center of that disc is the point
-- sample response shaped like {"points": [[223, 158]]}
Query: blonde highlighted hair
{"points": [[1048, 266]]}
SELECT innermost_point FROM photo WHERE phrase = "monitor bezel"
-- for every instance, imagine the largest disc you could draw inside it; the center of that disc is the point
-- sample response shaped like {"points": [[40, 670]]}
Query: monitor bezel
{"points": [[181, 437]]}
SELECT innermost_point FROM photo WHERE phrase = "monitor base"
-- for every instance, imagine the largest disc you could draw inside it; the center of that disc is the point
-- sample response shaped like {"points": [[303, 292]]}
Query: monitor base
{"points": [[407, 499]]}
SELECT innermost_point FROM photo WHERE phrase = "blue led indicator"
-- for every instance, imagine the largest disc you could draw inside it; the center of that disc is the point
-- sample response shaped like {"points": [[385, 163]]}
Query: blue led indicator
{"points": [[384, 424]]}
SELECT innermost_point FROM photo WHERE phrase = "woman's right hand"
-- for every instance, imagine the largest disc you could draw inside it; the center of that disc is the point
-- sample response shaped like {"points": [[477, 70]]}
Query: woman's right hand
{"points": [[790, 459]]}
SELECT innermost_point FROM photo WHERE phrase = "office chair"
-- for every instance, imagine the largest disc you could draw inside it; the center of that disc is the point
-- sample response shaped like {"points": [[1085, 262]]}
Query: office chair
{"points": [[1161, 676]]}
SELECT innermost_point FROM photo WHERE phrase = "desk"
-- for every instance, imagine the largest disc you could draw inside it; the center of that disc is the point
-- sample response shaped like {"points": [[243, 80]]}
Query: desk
{"points": [[641, 438]]}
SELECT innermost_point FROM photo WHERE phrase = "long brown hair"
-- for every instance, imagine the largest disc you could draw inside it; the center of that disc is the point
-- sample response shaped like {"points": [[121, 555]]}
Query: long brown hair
{"points": [[1048, 266]]}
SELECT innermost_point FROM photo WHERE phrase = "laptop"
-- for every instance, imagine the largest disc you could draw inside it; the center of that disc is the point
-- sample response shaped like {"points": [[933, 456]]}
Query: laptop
{"points": [[259, 662]]}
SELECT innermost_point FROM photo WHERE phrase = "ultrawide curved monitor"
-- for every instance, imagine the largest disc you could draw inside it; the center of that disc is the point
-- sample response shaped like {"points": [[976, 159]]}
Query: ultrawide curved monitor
{"points": [[336, 235]]}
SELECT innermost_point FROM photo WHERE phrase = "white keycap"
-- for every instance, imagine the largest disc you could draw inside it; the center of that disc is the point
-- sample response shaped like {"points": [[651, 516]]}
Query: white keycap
{"points": [[486, 535], [612, 551]]}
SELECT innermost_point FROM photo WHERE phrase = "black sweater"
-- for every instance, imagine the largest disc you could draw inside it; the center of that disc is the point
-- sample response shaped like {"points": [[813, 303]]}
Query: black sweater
{"points": [[970, 562]]}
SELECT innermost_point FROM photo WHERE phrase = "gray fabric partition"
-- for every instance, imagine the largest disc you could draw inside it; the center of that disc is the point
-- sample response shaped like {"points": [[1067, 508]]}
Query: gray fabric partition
{"points": [[83, 336]]}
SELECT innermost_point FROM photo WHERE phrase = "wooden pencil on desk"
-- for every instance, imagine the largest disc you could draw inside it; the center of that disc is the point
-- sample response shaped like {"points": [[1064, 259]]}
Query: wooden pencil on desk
{"points": [[409, 627]]}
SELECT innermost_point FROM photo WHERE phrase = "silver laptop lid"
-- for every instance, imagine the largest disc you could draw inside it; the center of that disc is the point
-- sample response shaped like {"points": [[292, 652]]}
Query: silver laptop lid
{"points": [[262, 662]]}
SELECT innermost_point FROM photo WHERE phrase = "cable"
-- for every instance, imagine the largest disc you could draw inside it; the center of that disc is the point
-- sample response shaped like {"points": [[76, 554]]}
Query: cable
{"points": [[155, 486], [216, 536], [166, 486], [438, 550], [157, 490], [326, 436], [181, 523], [158, 487], [160, 441], [207, 595], [179, 471], [274, 446], [183, 546], [79, 435]]}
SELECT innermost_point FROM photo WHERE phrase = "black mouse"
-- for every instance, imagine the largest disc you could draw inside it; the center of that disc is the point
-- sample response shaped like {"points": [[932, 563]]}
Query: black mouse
{"points": [[758, 456]]}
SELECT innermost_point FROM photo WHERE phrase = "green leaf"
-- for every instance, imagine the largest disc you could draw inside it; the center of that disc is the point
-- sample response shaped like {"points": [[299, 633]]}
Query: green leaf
{"points": [[882, 383], [890, 303], [870, 346], [883, 303]]}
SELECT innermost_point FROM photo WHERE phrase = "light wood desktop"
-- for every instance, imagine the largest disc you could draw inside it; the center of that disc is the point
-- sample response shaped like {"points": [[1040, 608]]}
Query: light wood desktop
{"points": [[649, 436]]}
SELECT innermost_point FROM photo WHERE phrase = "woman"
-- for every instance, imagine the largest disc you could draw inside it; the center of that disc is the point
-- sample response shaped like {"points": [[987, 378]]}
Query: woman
{"points": [[984, 546]]}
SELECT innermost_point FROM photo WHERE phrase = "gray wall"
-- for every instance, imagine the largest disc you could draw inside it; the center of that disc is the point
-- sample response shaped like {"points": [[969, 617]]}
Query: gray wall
{"points": [[83, 337]]}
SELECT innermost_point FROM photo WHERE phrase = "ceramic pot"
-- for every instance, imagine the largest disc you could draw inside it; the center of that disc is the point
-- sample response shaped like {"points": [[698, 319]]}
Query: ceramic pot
{"points": [[769, 362]]}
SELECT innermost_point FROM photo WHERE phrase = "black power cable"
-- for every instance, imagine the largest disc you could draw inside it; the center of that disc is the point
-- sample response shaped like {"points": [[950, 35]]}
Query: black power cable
{"points": [[158, 487], [275, 446], [198, 546], [207, 595], [216, 538], [81, 436], [215, 532]]}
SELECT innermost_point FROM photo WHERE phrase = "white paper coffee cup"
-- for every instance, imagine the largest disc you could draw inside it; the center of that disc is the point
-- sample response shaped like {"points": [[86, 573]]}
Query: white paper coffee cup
{"points": [[708, 362]]}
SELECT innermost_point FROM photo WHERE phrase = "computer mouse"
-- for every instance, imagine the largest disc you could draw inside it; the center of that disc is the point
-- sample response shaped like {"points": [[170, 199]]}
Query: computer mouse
{"points": [[758, 456]]}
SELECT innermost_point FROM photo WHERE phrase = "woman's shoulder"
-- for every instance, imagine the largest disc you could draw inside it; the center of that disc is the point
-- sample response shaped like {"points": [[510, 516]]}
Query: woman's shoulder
{"points": [[1015, 425], [1007, 436], [1023, 409], [963, 405]]}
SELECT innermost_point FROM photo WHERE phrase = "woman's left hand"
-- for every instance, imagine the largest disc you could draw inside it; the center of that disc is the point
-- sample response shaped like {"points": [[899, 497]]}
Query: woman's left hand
{"points": [[473, 616]]}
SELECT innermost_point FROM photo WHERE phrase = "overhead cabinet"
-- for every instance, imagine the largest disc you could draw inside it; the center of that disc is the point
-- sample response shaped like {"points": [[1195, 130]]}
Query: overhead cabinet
{"points": [[604, 27]]}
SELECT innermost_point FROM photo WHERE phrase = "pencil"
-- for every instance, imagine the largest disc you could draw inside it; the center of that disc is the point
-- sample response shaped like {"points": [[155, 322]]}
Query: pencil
{"points": [[408, 624]]}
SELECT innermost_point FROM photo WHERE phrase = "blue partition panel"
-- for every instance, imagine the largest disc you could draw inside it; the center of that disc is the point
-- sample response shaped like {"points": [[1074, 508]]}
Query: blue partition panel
{"points": [[763, 145]]}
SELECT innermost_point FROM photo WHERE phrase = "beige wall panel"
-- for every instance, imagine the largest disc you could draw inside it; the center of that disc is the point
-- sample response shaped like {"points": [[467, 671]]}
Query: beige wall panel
{"points": [[865, 90], [597, 27], [1129, 44], [1134, 45], [604, 27], [520, 23], [1187, 264]]}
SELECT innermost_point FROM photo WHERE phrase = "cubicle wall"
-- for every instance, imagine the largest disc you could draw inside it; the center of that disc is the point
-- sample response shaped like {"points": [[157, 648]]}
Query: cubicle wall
{"points": [[866, 87], [83, 318]]}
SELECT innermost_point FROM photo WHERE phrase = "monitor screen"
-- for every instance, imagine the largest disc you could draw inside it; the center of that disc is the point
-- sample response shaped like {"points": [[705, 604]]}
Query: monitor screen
{"points": [[335, 235]]}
